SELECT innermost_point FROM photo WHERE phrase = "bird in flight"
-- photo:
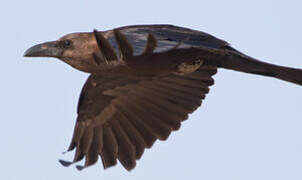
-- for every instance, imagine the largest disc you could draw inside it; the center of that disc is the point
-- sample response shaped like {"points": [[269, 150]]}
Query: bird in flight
{"points": [[144, 81]]}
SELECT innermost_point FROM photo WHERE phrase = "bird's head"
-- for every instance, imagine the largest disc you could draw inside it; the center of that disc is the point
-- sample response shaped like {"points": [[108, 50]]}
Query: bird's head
{"points": [[75, 49]]}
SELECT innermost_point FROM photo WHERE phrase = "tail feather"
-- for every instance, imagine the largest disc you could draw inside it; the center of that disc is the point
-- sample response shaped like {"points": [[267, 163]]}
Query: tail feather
{"points": [[243, 63], [289, 74]]}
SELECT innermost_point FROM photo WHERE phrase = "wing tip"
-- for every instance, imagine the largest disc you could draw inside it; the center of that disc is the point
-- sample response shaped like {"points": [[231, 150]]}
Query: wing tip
{"points": [[65, 163], [80, 168]]}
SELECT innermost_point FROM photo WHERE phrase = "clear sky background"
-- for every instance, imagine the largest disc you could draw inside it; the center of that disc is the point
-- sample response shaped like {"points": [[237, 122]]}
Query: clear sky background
{"points": [[249, 127]]}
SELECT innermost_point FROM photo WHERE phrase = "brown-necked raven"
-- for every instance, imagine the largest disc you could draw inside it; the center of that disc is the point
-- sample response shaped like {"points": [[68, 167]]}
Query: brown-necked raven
{"points": [[144, 82]]}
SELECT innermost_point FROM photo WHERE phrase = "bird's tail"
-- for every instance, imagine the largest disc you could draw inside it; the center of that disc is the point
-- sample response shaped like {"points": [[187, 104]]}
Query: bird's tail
{"points": [[240, 62], [288, 74]]}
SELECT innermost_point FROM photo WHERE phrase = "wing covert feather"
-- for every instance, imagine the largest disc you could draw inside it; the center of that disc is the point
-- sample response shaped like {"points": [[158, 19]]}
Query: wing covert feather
{"points": [[145, 110]]}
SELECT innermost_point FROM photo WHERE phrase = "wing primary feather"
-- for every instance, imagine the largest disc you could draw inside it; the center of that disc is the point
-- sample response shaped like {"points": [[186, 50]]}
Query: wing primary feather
{"points": [[159, 128], [104, 46], [125, 47], [110, 148], [79, 155], [168, 118], [134, 135], [145, 131], [86, 139], [173, 96], [126, 150], [79, 167], [77, 134], [168, 105], [174, 92], [186, 82], [150, 45], [184, 85], [198, 76], [98, 135], [92, 153], [175, 87], [65, 163]]}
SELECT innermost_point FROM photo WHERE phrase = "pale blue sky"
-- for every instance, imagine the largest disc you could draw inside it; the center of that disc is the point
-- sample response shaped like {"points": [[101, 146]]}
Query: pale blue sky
{"points": [[249, 127]]}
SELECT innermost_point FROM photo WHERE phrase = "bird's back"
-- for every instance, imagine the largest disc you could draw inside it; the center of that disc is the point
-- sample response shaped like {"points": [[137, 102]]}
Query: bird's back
{"points": [[167, 36]]}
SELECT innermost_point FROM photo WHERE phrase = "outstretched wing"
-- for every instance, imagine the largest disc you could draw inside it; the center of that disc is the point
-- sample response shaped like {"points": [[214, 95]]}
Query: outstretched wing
{"points": [[124, 110], [120, 116]]}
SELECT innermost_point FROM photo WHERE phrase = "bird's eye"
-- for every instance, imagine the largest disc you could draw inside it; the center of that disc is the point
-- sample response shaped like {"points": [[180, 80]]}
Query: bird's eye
{"points": [[65, 43]]}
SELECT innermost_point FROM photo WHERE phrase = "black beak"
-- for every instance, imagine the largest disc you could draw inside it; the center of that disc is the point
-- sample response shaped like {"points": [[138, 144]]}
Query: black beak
{"points": [[48, 49]]}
